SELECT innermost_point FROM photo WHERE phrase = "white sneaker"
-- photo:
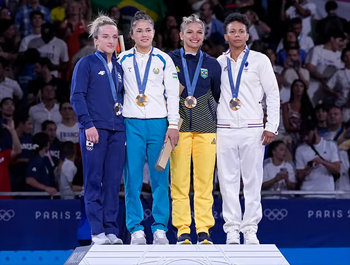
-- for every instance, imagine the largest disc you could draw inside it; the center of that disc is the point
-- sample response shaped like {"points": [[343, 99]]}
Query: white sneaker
{"points": [[159, 238], [138, 238], [233, 237], [114, 239], [100, 239], [250, 238]]}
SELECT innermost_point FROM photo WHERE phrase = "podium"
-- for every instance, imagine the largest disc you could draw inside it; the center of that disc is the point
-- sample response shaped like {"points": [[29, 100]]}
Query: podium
{"points": [[177, 255]]}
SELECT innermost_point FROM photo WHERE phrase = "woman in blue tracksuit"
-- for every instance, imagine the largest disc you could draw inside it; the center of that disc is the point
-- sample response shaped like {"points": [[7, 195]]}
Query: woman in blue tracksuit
{"points": [[96, 98]]}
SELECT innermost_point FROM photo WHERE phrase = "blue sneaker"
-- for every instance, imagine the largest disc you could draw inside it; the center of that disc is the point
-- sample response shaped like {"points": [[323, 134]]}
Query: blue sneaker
{"points": [[204, 239], [184, 239]]}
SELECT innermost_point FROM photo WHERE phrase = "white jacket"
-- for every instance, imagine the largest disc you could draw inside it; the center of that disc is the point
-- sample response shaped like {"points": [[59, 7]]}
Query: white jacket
{"points": [[257, 79], [162, 77]]}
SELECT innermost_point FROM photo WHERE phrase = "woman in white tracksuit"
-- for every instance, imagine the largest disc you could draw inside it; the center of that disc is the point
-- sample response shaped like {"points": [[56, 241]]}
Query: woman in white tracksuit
{"points": [[241, 135], [150, 119]]}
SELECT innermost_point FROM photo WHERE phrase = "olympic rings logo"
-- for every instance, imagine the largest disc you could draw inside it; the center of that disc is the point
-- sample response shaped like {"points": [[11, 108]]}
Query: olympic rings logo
{"points": [[6, 215], [275, 214]]}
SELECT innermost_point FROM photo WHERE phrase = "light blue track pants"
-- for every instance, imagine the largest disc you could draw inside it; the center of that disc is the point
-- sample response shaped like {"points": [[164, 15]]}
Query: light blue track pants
{"points": [[145, 137]]}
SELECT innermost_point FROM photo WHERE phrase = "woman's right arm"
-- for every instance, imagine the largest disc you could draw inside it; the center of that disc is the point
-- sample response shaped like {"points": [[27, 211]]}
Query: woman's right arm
{"points": [[286, 122], [79, 90]]}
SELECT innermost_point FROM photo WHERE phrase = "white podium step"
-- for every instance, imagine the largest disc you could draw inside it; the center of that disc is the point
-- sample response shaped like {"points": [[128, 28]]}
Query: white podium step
{"points": [[177, 255]]}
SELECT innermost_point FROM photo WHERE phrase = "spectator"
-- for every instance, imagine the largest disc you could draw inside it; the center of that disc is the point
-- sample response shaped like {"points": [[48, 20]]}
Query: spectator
{"points": [[68, 129], [43, 71], [163, 37], [290, 41], [24, 127], [293, 69], [38, 175], [321, 120], [58, 14], [173, 40], [218, 9], [9, 41], [9, 88], [36, 20], [271, 54], [7, 109], [67, 171], [331, 23], [54, 154], [302, 9], [343, 183], [298, 109], [73, 26], [86, 11], [339, 84], [279, 174], [316, 160], [258, 30], [115, 14], [214, 28], [322, 62], [86, 48], [239, 4], [27, 73], [5, 13], [51, 47], [48, 109], [7, 155], [335, 124], [305, 42], [22, 20]]}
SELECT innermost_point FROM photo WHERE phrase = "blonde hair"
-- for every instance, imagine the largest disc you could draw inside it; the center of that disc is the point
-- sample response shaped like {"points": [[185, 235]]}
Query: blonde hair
{"points": [[191, 19], [99, 22]]}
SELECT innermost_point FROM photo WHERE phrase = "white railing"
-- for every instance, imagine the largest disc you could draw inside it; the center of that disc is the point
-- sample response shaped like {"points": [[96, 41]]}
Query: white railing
{"points": [[216, 193]]}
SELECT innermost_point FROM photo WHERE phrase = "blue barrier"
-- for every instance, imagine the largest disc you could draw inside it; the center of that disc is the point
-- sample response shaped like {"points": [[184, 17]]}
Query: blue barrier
{"points": [[294, 223]]}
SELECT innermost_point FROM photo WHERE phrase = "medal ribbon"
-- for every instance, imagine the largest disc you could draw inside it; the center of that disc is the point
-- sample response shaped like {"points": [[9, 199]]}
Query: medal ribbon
{"points": [[191, 87], [142, 85], [235, 89], [115, 88]]}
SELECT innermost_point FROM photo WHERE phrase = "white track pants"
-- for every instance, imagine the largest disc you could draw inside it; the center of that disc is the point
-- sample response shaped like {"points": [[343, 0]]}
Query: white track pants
{"points": [[240, 153]]}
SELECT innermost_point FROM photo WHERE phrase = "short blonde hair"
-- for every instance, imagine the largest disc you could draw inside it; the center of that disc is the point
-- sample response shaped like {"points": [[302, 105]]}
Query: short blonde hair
{"points": [[99, 22], [191, 19]]}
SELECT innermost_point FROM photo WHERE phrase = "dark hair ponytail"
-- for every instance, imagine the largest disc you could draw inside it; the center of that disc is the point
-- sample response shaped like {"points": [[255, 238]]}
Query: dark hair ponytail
{"points": [[40, 141]]}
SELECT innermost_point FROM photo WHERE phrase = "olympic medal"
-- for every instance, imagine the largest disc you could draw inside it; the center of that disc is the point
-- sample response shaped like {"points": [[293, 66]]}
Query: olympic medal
{"points": [[141, 100], [118, 108], [190, 102], [235, 104]]}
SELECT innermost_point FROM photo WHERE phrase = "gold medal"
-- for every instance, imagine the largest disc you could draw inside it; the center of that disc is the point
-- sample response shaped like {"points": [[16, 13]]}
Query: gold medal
{"points": [[235, 104], [141, 100], [118, 108], [190, 102]]}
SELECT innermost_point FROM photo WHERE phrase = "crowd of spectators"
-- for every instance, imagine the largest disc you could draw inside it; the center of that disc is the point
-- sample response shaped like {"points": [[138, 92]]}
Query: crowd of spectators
{"points": [[41, 41]]}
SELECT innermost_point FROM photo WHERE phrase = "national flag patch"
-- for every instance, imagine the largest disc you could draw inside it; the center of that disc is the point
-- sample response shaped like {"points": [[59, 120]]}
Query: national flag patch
{"points": [[175, 75], [204, 73]]}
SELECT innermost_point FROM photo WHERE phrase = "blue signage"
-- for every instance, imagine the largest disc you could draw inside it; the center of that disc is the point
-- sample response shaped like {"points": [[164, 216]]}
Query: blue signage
{"points": [[288, 223]]}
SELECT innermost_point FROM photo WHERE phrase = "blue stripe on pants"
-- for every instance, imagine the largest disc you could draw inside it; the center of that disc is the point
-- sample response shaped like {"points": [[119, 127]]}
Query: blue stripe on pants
{"points": [[103, 170], [145, 137]]}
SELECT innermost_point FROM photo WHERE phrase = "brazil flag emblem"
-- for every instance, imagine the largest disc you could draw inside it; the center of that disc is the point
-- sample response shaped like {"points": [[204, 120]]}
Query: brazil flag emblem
{"points": [[204, 73]]}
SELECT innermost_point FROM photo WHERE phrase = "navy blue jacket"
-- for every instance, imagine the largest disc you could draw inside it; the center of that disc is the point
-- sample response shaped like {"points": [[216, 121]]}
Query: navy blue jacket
{"points": [[201, 118], [91, 95]]}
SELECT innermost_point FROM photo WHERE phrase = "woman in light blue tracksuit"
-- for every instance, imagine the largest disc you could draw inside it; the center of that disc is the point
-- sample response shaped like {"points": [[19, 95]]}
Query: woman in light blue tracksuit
{"points": [[150, 120]]}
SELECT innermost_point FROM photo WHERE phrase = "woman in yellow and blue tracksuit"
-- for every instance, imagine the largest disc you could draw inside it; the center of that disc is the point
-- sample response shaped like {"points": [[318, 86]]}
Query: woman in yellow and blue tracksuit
{"points": [[200, 74]]}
